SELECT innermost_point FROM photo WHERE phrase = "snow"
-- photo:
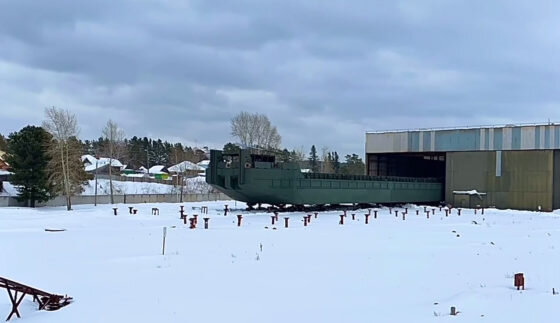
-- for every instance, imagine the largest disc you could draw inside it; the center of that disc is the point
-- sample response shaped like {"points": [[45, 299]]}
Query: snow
{"points": [[157, 169], [471, 192], [204, 164], [134, 175], [387, 271], [184, 166], [8, 189], [193, 185]]}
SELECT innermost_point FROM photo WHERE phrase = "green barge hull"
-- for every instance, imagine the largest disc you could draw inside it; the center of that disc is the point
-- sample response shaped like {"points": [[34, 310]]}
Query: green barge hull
{"points": [[259, 179]]}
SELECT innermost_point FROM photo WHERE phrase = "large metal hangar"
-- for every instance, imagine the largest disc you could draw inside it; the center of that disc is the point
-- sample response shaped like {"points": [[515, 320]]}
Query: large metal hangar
{"points": [[512, 166]]}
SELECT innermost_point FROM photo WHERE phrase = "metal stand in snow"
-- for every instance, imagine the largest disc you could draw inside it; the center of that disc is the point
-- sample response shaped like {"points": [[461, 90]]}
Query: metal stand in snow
{"points": [[47, 301]]}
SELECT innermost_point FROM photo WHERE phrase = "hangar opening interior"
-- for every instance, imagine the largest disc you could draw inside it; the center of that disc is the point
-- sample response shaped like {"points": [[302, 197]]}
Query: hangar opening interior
{"points": [[513, 166]]}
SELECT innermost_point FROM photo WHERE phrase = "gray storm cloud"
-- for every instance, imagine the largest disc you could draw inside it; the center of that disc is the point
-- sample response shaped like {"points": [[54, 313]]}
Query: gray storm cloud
{"points": [[324, 72]]}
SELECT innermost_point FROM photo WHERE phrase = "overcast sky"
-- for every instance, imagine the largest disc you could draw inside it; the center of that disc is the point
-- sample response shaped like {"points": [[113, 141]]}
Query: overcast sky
{"points": [[324, 72]]}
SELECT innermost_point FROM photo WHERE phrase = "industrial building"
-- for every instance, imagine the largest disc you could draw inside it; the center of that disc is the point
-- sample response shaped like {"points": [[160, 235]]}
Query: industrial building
{"points": [[507, 167]]}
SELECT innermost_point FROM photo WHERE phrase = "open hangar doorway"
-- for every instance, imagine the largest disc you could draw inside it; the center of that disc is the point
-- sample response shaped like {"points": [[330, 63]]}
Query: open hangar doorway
{"points": [[420, 165]]}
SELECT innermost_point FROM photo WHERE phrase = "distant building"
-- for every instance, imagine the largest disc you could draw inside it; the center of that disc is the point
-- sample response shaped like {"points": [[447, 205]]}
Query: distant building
{"points": [[101, 165], [186, 168], [509, 167], [158, 172], [201, 153], [204, 164]]}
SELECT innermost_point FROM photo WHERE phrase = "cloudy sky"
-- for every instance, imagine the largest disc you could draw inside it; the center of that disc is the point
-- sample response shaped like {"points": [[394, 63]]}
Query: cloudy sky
{"points": [[324, 72]]}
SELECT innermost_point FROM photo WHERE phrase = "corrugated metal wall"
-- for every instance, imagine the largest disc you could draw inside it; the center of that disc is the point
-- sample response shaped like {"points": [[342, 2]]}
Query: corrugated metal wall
{"points": [[476, 139], [556, 181], [524, 182]]}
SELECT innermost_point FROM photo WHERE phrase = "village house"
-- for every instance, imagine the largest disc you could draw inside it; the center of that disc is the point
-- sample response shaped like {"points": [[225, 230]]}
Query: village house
{"points": [[94, 165]]}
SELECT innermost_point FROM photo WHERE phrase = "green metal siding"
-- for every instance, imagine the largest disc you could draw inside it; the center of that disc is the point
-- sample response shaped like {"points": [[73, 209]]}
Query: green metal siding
{"points": [[556, 181], [525, 181]]}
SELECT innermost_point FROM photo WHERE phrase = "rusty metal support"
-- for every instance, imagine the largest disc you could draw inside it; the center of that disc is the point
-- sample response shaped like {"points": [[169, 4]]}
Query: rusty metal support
{"points": [[17, 291], [239, 217]]}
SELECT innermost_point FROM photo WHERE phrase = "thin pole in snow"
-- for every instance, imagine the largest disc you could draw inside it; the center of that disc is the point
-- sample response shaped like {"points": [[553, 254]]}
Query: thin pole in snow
{"points": [[164, 235]]}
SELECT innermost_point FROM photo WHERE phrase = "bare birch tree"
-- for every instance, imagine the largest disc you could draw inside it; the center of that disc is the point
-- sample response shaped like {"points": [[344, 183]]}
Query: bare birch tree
{"points": [[255, 130], [66, 169], [114, 138], [326, 165]]}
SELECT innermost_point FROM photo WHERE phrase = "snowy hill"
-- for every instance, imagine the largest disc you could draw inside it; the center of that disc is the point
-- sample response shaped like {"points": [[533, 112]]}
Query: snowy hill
{"points": [[193, 185]]}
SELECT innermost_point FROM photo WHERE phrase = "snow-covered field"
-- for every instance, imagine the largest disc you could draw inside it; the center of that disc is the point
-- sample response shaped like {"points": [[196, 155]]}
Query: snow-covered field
{"points": [[387, 271]]}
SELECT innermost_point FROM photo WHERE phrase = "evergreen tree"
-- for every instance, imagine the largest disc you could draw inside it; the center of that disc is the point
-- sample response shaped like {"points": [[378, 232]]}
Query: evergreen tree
{"points": [[3, 143], [335, 162], [353, 165], [314, 160], [231, 148], [285, 155], [87, 148], [27, 156]]}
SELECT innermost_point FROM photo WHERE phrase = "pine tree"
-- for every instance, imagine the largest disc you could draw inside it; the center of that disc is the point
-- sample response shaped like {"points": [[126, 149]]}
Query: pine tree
{"points": [[231, 148], [3, 143], [353, 165], [314, 160], [336, 163], [27, 156]]}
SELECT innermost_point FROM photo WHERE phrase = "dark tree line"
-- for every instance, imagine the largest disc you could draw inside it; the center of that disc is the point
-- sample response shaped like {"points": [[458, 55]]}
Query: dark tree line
{"points": [[330, 163], [3, 143]]}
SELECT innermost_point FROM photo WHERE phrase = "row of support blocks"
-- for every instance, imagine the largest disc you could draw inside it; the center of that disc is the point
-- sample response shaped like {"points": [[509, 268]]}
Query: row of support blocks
{"points": [[307, 218]]}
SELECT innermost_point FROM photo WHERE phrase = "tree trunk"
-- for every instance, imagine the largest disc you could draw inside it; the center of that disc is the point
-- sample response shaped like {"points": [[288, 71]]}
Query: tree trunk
{"points": [[64, 175], [111, 179], [182, 184], [69, 194]]}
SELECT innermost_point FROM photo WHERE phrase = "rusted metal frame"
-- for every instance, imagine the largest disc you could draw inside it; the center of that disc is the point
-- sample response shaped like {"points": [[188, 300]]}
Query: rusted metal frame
{"points": [[15, 303], [6, 283], [47, 302]]}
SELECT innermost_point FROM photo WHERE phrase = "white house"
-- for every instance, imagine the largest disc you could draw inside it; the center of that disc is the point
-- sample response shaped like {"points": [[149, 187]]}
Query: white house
{"points": [[101, 164], [185, 166], [157, 169], [204, 164]]}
